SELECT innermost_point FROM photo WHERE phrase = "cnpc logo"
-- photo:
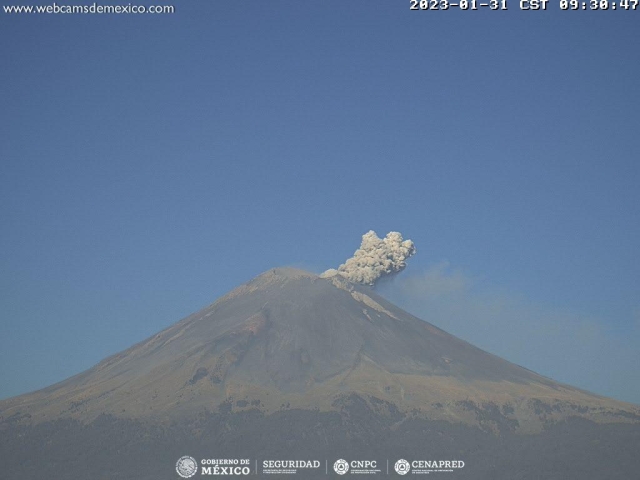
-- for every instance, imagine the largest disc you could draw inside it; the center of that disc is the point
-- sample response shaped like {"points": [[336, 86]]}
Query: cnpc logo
{"points": [[356, 466], [341, 466]]}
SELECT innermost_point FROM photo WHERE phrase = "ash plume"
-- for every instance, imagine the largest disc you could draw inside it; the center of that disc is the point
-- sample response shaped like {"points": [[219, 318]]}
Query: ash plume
{"points": [[376, 258]]}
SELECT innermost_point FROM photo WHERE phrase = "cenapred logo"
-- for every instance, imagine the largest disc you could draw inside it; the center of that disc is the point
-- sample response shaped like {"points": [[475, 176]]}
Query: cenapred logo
{"points": [[402, 467], [341, 466], [187, 466]]}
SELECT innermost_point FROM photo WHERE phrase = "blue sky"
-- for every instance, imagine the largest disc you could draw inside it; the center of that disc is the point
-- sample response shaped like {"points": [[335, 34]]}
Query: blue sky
{"points": [[149, 164]]}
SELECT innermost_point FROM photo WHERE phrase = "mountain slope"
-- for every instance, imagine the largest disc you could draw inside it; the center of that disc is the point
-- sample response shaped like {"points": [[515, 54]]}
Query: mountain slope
{"points": [[291, 339]]}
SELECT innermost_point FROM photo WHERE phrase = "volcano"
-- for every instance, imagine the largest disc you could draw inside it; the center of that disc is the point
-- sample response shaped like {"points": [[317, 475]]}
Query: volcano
{"points": [[305, 365]]}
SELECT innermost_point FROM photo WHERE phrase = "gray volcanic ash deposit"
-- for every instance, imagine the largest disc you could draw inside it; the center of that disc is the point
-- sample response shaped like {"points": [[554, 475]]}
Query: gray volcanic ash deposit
{"points": [[293, 363]]}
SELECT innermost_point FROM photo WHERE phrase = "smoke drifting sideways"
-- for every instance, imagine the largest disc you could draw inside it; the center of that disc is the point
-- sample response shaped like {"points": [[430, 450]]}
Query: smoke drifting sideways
{"points": [[376, 258]]}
